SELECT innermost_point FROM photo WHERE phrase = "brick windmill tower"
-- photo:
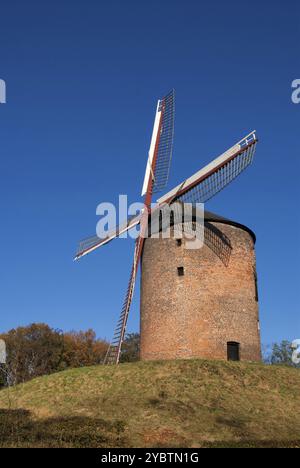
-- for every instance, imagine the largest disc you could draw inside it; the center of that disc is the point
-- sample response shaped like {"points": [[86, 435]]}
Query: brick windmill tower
{"points": [[194, 302]]}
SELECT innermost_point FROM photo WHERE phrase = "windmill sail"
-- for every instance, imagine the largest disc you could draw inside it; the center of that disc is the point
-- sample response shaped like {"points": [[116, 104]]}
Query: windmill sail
{"points": [[114, 350], [156, 177], [165, 146], [161, 147], [215, 176], [90, 244]]}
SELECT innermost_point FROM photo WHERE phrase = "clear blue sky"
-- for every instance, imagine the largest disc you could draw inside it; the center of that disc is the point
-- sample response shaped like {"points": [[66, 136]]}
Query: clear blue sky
{"points": [[82, 82]]}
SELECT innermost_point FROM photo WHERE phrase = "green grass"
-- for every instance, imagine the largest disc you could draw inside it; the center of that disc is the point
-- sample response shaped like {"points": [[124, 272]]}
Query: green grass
{"points": [[190, 403]]}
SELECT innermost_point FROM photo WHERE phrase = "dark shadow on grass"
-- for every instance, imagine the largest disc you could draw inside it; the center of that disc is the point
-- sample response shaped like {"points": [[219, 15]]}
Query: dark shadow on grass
{"points": [[19, 429]]}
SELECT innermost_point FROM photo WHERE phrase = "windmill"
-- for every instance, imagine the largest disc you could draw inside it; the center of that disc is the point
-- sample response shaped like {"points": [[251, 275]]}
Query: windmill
{"points": [[198, 188]]}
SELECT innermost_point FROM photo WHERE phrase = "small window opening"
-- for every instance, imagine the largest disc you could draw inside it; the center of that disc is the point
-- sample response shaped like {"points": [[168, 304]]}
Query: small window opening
{"points": [[233, 351], [178, 242], [180, 271]]}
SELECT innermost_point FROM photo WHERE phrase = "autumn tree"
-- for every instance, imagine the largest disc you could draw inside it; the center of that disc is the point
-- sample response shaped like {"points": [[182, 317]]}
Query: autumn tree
{"points": [[32, 351], [83, 349]]}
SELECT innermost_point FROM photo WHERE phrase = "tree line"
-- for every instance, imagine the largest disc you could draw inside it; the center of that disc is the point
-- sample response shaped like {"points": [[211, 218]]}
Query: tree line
{"points": [[38, 349]]}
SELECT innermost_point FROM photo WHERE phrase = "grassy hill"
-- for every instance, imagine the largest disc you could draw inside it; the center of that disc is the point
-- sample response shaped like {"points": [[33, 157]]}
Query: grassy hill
{"points": [[191, 403]]}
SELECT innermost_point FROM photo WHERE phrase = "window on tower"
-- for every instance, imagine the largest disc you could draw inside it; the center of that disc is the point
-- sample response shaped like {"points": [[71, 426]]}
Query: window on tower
{"points": [[180, 271]]}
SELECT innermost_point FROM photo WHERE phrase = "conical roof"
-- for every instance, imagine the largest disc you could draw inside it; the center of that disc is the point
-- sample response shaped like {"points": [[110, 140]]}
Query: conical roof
{"points": [[209, 216], [213, 217]]}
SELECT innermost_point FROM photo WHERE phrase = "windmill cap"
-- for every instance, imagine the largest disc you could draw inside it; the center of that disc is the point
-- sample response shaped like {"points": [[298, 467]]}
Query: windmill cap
{"points": [[209, 216], [213, 217]]}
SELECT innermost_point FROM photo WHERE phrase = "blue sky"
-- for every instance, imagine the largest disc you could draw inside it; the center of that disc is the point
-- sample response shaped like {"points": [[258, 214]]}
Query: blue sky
{"points": [[82, 83]]}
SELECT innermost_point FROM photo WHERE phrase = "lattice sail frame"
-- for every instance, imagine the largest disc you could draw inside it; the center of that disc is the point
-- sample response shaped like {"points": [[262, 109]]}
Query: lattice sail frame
{"points": [[114, 350], [210, 180], [92, 243], [165, 147], [161, 146], [218, 180]]}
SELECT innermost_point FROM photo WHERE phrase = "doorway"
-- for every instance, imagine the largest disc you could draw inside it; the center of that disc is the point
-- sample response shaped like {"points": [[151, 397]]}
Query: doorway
{"points": [[233, 351]]}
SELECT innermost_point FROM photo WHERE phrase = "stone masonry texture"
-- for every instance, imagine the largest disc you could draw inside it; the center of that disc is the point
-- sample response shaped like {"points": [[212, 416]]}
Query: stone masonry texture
{"points": [[197, 314]]}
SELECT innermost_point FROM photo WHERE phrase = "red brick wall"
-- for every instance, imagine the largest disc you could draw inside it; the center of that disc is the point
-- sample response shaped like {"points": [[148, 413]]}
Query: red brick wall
{"points": [[195, 315]]}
